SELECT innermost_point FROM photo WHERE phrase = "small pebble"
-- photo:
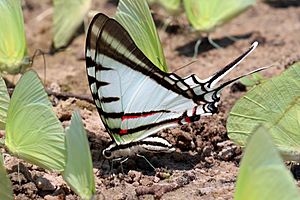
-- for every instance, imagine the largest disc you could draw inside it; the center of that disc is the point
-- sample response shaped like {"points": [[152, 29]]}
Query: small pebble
{"points": [[162, 175], [146, 181], [44, 184], [136, 176], [207, 150], [120, 196], [135, 184], [156, 179]]}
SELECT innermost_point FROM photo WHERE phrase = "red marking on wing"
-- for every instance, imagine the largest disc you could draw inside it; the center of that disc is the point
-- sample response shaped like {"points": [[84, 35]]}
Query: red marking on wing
{"points": [[137, 116], [124, 117], [123, 132], [188, 120]]}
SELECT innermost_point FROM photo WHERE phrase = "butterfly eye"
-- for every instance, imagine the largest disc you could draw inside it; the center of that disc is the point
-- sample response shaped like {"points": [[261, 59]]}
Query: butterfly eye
{"points": [[107, 153]]}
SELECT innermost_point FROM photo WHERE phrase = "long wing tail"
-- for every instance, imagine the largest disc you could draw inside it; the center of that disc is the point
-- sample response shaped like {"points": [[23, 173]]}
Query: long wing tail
{"points": [[207, 91], [214, 95], [214, 79]]}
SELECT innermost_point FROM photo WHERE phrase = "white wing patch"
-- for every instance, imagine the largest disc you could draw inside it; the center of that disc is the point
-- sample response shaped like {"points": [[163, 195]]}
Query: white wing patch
{"points": [[138, 94]]}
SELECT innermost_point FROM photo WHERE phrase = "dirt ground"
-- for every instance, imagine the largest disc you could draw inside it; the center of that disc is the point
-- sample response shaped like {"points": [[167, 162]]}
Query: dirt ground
{"points": [[205, 164]]}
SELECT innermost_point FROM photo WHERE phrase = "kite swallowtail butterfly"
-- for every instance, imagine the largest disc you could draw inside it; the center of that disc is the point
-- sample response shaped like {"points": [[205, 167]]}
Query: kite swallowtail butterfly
{"points": [[135, 99]]}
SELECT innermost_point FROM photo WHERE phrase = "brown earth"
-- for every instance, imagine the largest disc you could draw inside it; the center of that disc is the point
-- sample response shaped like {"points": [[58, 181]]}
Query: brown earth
{"points": [[205, 164]]}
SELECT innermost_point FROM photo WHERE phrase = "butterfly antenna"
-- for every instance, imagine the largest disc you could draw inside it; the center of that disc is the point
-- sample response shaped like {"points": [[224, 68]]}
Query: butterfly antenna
{"points": [[188, 64], [214, 79], [39, 52], [213, 43], [111, 166], [196, 47]]}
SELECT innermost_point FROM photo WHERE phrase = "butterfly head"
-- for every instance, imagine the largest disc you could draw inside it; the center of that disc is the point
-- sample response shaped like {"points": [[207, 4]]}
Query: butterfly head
{"points": [[107, 153], [111, 152]]}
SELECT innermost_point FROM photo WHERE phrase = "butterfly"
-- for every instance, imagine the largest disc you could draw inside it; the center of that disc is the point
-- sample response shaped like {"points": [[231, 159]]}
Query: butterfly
{"points": [[68, 15], [32, 130], [261, 160], [172, 7], [135, 16], [6, 191], [206, 16], [14, 57], [135, 99], [79, 176]]}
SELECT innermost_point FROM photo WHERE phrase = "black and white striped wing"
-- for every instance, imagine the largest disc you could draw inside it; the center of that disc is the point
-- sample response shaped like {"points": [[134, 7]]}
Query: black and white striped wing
{"points": [[134, 98]]}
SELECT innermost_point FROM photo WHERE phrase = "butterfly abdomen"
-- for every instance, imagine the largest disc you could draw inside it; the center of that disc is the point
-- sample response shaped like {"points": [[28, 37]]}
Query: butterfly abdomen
{"points": [[147, 145]]}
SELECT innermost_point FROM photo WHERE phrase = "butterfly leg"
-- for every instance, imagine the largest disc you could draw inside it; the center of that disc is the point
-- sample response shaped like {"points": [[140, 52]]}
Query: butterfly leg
{"points": [[123, 160], [141, 156], [111, 163], [196, 48], [232, 38], [214, 44]]}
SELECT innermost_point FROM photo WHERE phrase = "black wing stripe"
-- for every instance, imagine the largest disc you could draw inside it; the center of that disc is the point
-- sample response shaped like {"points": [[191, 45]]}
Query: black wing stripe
{"points": [[90, 51], [112, 115], [115, 115], [109, 99], [101, 83], [147, 113], [91, 63], [92, 79], [144, 127], [118, 33]]}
